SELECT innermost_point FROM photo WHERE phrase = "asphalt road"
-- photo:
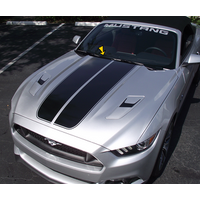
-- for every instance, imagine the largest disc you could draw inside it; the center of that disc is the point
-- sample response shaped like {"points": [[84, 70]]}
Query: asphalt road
{"points": [[184, 162]]}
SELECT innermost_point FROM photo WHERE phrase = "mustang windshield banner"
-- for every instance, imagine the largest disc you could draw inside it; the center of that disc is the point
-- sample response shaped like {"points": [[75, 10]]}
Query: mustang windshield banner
{"points": [[145, 28]]}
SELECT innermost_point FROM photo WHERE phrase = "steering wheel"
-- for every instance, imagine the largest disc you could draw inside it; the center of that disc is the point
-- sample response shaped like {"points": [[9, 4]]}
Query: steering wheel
{"points": [[156, 48]]}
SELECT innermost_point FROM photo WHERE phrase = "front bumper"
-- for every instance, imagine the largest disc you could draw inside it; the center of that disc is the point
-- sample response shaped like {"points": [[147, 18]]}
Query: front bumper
{"points": [[137, 168]]}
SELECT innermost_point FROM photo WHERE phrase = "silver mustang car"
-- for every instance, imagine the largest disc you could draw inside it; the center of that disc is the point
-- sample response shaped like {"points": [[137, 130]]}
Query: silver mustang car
{"points": [[104, 112]]}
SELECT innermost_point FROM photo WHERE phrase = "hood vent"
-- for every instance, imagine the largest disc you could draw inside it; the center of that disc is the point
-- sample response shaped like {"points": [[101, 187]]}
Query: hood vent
{"points": [[36, 86], [125, 104], [125, 107]]}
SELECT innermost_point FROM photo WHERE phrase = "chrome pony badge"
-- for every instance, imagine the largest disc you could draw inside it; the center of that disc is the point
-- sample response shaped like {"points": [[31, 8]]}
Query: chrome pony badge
{"points": [[52, 142]]}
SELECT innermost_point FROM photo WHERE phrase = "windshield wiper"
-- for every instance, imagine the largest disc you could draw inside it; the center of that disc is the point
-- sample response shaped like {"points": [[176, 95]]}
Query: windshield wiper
{"points": [[137, 63], [87, 53], [127, 61]]}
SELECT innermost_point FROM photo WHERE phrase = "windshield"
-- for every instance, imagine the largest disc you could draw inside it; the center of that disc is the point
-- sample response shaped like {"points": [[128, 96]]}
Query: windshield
{"points": [[153, 47]]}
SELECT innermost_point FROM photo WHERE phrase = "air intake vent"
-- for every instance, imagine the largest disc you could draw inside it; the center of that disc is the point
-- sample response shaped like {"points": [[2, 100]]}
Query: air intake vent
{"points": [[125, 107], [37, 85]]}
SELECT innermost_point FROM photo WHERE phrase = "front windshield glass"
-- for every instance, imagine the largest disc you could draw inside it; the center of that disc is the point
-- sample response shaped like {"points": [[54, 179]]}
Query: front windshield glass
{"points": [[153, 47]]}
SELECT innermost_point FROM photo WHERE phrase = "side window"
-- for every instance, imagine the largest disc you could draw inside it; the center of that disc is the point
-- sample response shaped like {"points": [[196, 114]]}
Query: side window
{"points": [[187, 39]]}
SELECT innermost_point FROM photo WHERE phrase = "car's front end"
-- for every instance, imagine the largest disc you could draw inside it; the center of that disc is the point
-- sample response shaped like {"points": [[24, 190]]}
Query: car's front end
{"points": [[88, 118], [63, 163], [115, 142]]}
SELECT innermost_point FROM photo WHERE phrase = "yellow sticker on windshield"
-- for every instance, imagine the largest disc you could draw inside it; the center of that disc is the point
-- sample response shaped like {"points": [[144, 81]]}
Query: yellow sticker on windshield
{"points": [[101, 49]]}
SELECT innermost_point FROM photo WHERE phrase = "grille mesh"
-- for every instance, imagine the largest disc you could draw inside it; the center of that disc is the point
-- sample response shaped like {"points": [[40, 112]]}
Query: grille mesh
{"points": [[60, 149]]}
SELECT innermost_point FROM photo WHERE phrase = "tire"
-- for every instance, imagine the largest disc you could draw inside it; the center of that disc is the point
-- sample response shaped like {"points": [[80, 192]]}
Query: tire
{"points": [[163, 153]]}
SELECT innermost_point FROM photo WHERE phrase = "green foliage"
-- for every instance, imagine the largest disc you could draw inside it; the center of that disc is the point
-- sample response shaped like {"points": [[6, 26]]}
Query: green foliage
{"points": [[195, 19], [72, 19], [69, 19]]}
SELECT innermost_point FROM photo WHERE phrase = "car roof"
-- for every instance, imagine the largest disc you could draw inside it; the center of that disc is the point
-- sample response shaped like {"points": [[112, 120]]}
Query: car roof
{"points": [[178, 22]]}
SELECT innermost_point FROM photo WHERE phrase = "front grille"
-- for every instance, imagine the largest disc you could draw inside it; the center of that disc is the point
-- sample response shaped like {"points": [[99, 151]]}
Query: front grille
{"points": [[57, 148]]}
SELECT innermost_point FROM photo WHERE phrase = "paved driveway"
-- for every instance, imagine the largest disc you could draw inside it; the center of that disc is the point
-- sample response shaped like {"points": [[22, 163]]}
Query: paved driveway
{"points": [[184, 163]]}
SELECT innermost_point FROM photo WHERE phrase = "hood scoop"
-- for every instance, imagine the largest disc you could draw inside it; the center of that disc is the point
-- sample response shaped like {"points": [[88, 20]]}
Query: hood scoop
{"points": [[37, 85], [125, 107], [128, 104]]}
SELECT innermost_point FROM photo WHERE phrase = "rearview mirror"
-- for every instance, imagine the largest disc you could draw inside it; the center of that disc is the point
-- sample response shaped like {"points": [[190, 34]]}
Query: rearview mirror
{"points": [[76, 39], [194, 58]]}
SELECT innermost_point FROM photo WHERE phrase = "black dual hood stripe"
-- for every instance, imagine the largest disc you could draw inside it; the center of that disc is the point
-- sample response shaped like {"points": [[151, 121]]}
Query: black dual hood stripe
{"points": [[93, 92], [69, 86]]}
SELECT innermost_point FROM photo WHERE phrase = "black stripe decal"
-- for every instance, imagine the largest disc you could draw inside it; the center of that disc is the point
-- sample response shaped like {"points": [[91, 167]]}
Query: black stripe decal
{"points": [[69, 86], [93, 92]]}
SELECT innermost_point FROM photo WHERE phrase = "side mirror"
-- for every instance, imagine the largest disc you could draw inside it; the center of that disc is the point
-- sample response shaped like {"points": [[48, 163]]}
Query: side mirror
{"points": [[194, 58], [76, 39]]}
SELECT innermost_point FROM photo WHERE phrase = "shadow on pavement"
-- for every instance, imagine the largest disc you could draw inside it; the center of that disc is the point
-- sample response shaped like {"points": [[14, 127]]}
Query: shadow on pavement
{"points": [[17, 39]]}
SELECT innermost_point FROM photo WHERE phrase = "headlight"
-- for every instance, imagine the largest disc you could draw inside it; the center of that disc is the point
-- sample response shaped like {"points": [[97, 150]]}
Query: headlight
{"points": [[135, 148]]}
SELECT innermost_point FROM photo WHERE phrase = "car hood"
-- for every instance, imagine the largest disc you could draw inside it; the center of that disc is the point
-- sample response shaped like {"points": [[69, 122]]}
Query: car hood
{"points": [[95, 99]]}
